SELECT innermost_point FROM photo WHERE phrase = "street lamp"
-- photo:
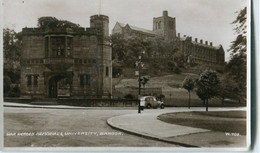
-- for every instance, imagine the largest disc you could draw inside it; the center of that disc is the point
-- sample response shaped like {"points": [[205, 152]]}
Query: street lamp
{"points": [[140, 65]]}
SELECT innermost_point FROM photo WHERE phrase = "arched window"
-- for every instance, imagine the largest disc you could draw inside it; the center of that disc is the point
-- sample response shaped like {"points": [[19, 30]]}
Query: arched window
{"points": [[159, 25]]}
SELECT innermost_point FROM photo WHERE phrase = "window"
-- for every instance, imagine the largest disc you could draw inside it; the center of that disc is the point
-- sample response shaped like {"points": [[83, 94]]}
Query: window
{"points": [[107, 71], [69, 46], [159, 25], [81, 80], [35, 80], [29, 80], [58, 46], [88, 80], [46, 46]]}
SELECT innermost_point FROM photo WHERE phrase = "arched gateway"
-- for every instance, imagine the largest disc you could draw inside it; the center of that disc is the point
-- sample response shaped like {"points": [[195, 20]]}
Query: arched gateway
{"points": [[72, 63]]}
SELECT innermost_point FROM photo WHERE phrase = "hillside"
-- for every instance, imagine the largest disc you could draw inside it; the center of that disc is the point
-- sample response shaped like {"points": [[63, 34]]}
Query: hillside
{"points": [[171, 88]]}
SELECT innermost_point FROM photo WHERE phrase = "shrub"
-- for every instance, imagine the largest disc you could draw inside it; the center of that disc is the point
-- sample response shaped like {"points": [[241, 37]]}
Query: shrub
{"points": [[129, 96]]}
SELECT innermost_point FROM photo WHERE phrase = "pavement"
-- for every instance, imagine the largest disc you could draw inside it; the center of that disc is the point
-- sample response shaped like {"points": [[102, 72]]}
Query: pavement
{"points": [[147, 125], [11, 104]]}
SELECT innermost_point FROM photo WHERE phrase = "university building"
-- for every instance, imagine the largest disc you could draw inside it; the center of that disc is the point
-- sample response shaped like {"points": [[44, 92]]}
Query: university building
{"points": [[164, 27], [73, 63]]}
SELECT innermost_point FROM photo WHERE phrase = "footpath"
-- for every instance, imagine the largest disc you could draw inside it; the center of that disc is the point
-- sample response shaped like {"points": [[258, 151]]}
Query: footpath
{"points": [[56, 106], [147, 125]]}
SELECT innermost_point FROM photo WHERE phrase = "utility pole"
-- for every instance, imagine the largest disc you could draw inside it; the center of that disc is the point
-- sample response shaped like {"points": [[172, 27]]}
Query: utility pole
{"points": [[139, 64]]}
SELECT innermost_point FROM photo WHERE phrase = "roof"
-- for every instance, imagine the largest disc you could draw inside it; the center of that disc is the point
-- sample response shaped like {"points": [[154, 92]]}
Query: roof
{"points": [[136, 28]]}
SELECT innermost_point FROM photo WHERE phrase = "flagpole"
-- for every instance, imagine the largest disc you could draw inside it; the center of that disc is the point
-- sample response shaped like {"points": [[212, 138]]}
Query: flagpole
{"points": [[99, 8]]}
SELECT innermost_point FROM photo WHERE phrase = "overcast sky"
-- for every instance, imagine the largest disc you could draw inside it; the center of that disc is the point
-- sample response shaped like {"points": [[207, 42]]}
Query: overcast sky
{"points": [[203, 19]]}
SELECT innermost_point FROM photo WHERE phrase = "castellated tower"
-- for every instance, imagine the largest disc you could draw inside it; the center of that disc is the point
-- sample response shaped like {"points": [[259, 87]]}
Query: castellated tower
{"points": [[104, 53], [165, 26], [100, 21]]}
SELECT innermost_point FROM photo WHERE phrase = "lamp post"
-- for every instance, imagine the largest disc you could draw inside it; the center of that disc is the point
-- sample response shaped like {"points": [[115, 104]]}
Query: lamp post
{"points": [[139, 64]]}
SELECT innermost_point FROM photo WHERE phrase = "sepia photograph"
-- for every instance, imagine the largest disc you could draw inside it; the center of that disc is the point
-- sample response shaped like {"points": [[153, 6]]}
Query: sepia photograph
{"points": [[132, 75]]}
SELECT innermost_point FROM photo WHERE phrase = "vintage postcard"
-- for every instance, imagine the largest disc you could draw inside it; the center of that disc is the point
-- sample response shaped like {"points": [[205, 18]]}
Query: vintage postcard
{"points": [[132, 75]]}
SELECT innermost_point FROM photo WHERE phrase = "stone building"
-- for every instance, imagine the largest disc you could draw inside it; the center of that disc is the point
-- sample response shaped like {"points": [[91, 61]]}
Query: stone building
{"points": [[199, 52], [164, 27], [73, 63]]}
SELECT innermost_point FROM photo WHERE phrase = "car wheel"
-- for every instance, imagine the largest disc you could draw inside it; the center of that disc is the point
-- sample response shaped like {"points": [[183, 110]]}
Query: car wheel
{"points": [[162, 106], [149, 106]]}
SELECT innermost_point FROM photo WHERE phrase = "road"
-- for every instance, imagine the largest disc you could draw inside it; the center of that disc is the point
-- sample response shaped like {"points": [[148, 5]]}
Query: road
{"points": [[73, 128], [33, 120]]}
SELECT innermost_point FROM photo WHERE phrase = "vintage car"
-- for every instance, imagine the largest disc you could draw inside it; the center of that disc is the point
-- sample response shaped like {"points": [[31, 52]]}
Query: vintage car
{"points": [[150, 101]]}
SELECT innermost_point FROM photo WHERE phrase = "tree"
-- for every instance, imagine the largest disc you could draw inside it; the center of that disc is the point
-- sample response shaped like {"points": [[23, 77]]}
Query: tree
{"points": [[239, 45], [12, 45], [144, 81], [200, 93], [207, 84], [54, 23], [236, 67], [188, 84], [227, 88], [119, 46]]}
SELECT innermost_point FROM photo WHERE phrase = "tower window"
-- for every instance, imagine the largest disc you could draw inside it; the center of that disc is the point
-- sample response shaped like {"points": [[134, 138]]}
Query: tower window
{"points": [[88, 80], [159, 25], [106, 71], [35, 80], [29, 80], [81, 80]]}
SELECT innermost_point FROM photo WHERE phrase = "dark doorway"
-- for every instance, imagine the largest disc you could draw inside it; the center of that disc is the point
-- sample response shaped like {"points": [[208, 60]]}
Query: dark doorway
{"points": [[60, 86]]}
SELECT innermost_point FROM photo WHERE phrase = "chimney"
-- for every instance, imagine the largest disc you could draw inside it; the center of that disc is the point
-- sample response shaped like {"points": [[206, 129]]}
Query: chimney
{"points": [[201, 41], [165, 13], [196, 39], [206, 42], [211, 44], [179, 35]]}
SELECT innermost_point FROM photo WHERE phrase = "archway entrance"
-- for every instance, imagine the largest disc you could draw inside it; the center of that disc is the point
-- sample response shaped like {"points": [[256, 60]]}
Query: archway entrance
{"points": [[60, 86]]}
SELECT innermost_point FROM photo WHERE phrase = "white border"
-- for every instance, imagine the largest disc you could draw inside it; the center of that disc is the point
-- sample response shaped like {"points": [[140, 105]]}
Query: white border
{"points": [[143, 149]]}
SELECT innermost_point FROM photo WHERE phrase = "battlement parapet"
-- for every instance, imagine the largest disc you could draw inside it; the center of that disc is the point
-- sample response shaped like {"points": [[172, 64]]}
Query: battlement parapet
{"points": [[102, 17], [81, 30], [189, 38]]}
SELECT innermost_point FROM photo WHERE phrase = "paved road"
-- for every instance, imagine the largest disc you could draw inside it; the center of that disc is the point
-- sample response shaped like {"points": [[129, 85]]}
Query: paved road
{"points": [[64, 125], [33, 120]]}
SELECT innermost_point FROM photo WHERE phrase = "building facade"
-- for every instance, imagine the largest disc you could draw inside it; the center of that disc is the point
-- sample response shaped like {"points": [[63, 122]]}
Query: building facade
{"points": [[74, 63], [164, 27]]}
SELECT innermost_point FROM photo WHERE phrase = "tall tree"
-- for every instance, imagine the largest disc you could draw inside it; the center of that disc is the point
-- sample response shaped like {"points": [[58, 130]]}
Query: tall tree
{"points": [[207, 84], [12, 45], [188, 84], [236, 67]]}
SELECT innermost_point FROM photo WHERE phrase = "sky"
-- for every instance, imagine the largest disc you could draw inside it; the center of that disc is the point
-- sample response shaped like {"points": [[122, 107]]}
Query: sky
{"points": [[209, 20]]}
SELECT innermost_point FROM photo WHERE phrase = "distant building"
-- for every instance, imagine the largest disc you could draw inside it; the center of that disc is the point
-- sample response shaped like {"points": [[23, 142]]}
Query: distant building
{"points": [[132, 31], [199, 52], [164, 27], [67, 62]]}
